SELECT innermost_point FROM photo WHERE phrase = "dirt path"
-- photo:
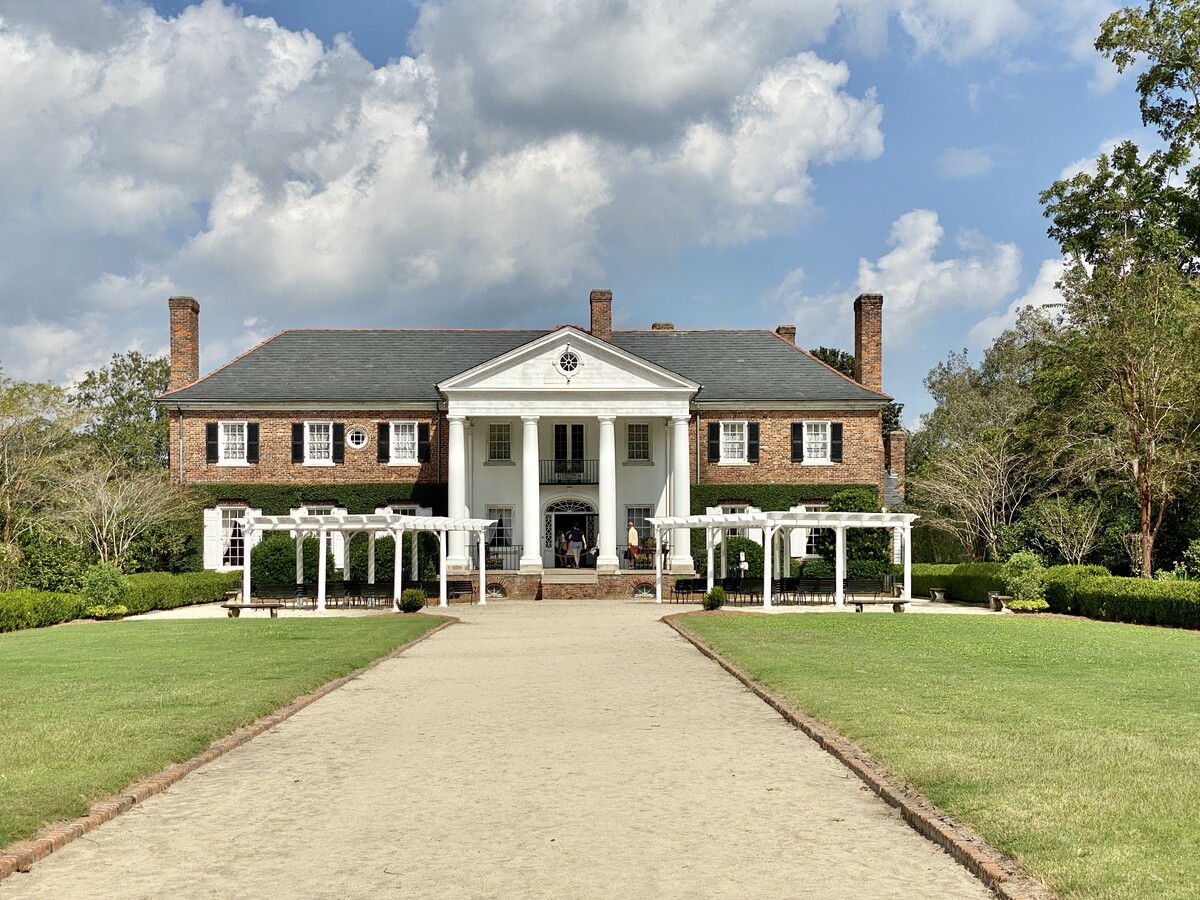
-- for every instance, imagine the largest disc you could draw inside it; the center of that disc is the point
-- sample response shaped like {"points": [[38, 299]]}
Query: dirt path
{"points": [[556, 749]]}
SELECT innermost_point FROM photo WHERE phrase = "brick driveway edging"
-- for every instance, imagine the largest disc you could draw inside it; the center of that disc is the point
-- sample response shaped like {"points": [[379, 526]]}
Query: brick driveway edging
{"points": [[999, 872], [21, 856]]}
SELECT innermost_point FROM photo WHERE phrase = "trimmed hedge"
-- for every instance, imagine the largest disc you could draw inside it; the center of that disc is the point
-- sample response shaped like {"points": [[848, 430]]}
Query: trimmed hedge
{"points": [[161, 590], [27, 608], [1139, 601], [969, 582], [1062, 583]]}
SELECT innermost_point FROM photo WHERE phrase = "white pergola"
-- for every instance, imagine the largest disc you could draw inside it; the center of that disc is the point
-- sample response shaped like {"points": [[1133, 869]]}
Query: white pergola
{"points": [[321, 525], [774, 526]]}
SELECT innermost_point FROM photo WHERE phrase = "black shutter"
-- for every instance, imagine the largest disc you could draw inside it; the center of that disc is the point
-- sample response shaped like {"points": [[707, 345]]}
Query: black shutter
{"points": [[797, 442], [751, 442], [714, 442], [339, 442], [210, 443], [383, 442], [297, 442], [422, 442], [835, 442], [251, 442]]}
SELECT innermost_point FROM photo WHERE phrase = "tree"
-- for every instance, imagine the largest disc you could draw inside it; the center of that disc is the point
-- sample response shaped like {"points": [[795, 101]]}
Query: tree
{"points": [[843, 362], [123, 420], [104, 504], [1071, 528]]}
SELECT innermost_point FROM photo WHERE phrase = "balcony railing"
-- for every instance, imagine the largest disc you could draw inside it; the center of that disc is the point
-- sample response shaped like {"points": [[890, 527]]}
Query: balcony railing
{"points": [[570, 471], [498, 558]]}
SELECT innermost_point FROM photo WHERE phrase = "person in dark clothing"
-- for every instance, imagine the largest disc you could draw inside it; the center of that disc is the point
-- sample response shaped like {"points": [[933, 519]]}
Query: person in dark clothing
{"points": [[576, 543]]}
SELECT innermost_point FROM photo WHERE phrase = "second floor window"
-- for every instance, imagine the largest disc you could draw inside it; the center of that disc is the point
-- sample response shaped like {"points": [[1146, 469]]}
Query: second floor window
{"points": [[816, 441], [233, 442], [638, 440], [733, 442], [318, 442], [404, 442], [500, 441]]}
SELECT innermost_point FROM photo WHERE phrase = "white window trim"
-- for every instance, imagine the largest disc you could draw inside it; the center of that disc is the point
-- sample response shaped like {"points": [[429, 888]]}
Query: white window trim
{"points": [[350, 429], [393, 443], [307, 434], [221, 460], [512, 523], [811, 507], [827, 461], [649, 460], [489, 460], [742, 461]]}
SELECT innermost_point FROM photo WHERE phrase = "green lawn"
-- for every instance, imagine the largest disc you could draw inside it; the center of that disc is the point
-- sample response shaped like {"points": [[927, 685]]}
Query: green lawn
{"points": [[1072, 745], [85, 709]]}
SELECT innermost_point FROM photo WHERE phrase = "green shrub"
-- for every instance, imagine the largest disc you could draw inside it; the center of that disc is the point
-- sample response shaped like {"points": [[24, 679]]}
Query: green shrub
{"points": [[1139, 601], [104, 585], [1034, 605], [1023, 577], [754, 557], [715, 598], [52, 565], [161, 590], [273, 560], [817, 568], [868, 568], [106, 612], [926, 576], [972, 582], [412, 600], [27, 608], [1061, 582], [861, 543]]}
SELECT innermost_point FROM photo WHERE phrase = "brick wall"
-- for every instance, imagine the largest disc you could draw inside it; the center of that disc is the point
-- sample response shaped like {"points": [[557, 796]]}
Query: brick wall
{"points": [[862, 449], [185, 341], [275, 449], [868, 341]]}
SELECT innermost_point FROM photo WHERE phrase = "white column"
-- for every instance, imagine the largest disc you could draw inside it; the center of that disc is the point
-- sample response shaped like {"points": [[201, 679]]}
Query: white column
{"points": [[531, 556], [247, 544], [299, 557], [681, 494], [442, 601], [657, 565], [839, 565], [768, 545], [708, 543], [456, 490], [346, 538], [483, 567], [724, 553], [607, 562], [322, 549], [370, 557], [907, 595], [398, 568], [414, 572]]}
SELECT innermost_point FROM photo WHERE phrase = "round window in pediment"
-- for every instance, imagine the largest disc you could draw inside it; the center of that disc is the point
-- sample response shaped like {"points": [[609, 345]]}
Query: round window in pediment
{"points": [[569, 362]]}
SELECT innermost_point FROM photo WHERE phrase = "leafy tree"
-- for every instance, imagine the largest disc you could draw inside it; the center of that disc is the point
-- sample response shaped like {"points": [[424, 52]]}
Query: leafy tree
{"points": [[862, 544], [1070, 528], [844, 362], [119, 403]]}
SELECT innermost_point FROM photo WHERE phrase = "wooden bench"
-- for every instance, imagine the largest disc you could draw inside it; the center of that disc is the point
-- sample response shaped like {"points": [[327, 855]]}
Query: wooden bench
{"points": [[234, 610], [455, 587]]}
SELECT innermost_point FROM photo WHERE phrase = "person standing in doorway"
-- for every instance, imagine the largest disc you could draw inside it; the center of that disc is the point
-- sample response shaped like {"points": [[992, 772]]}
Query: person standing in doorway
{"points": [[576, 544], [633, 543]]}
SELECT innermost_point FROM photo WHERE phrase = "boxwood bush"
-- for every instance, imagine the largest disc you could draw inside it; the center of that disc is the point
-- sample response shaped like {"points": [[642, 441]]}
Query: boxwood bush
{"points": [[27, 608], [161, 590], [969, 582], [926, 576], [273, 560], [1061, 583], [1139, 601]]}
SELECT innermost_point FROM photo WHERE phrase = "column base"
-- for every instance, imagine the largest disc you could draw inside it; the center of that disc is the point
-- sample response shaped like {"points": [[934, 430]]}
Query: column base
{"points": [[610, 566], [458, 565], [530, 565], [681, 566]]}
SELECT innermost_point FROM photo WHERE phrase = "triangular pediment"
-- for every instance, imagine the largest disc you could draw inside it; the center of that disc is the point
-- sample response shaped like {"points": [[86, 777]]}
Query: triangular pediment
{"points": [[568, 359]]}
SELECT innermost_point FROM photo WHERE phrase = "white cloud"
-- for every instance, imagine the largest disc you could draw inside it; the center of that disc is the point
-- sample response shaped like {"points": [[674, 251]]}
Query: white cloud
{"points": [[1088, 163], [1041, 293], [957, 162], [915, 283]]}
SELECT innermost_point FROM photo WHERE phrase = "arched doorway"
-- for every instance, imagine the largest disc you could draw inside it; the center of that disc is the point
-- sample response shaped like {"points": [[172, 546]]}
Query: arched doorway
{"points": [[561, 517]]}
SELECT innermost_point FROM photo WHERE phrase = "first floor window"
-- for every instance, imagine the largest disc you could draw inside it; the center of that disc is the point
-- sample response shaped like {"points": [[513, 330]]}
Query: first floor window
{"points": [[233, 537], [405, 510], [500, 534], [318, 442], [733, 442], [500, 441], [233, 442], [404, 442], [815, 535], [638, 441], [638, 516], [734, 508], [816, 442]]}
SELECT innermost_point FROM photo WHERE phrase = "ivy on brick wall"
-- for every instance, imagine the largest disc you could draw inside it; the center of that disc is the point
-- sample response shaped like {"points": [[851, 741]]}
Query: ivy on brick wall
{"points": [[766, 496], [280, 499]]}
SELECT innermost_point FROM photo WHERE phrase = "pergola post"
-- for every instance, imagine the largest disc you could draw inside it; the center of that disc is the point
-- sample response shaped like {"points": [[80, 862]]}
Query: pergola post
{"points": [[347, 536], [397, 568], [708, 543], [247, 543], [483, 567], [299, 557], [657, 566], [767, 545], [839, 566], [414, 572], [322, 546], [724, 552], [442, 598], [907, 595], [370, 557]]}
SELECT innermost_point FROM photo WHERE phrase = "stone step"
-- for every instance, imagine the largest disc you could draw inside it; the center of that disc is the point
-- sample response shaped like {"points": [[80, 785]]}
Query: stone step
{"points": [[569, 576]]}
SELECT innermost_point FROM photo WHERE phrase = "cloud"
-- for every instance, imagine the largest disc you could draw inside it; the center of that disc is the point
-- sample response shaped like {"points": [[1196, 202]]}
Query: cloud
{"points": [[958, 163], [1087, 164], [915, 283], [1041, 293]]}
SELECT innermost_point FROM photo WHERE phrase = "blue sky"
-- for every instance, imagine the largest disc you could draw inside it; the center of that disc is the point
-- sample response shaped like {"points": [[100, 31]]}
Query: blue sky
{"points": [[487, 162]]}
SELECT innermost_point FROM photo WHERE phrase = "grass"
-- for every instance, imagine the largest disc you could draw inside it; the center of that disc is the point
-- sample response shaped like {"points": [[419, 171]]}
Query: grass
{"points": [[86, 709], [1072, 745]]}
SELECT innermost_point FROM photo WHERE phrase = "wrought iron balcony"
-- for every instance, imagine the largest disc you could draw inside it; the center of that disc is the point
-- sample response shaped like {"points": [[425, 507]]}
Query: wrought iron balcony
{"points": [[570, 471], [498, 558]]}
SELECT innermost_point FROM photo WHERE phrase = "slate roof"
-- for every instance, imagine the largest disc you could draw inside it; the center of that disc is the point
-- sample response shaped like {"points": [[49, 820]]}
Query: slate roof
{"points": [[395, 366]]}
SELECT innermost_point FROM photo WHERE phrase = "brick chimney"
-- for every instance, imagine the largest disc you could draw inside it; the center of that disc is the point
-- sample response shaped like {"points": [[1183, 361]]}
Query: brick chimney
{"points": [[788, 333], [185, 341], [868, 341], [897, 455], [602, 315], [663, 326]]}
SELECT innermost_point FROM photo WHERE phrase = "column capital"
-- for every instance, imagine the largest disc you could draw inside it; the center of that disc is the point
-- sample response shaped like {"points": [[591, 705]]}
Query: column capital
{"points": [[530, 418], [678, 419], [606, 418], [455, 417]]}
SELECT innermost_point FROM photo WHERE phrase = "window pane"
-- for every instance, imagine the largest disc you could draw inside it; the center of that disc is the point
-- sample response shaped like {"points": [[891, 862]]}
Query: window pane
{"points": [[500, 534], [638, 516], [233, 441], [639, 441], [733, 441], [734, 508], [816, 440], [404, 441], [500, 441], [320, 441], [233, 541]]}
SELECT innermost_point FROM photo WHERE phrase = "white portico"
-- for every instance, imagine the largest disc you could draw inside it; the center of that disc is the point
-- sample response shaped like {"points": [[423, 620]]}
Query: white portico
{"points": [[567, 429]]}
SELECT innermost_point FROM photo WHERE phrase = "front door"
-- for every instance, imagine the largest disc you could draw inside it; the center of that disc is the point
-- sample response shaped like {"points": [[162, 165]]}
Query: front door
{"points": [[562, 523]]}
